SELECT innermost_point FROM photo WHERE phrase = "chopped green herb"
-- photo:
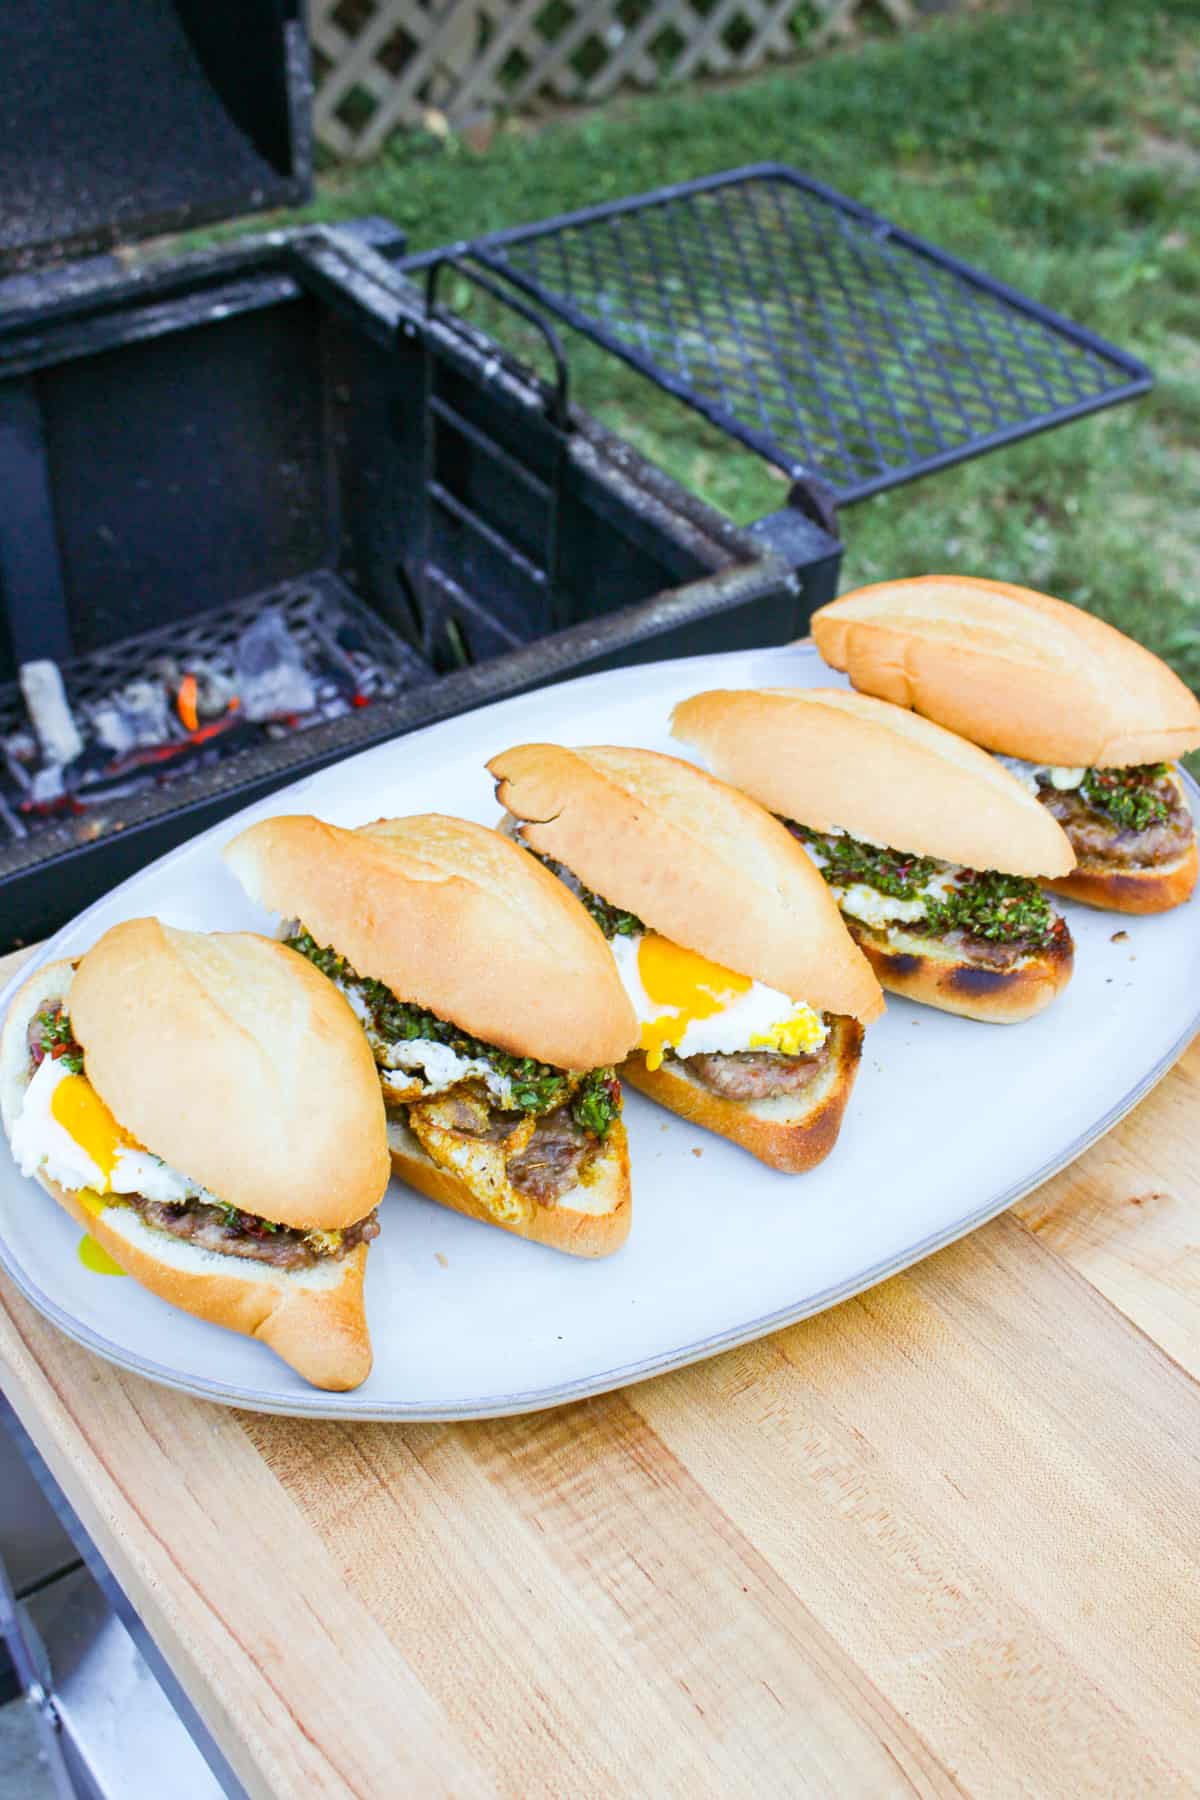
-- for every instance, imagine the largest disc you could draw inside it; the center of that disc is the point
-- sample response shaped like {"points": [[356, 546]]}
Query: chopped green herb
{"points": [[1002, 908], [250, 1223], [982, 903], [612, 921], [847, 859], [597, 1102], [534, 1087], [1131, 797]]}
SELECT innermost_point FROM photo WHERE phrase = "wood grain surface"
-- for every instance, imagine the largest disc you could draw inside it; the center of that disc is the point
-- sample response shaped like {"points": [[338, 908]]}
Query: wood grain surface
{"points": [[941, 1540]]}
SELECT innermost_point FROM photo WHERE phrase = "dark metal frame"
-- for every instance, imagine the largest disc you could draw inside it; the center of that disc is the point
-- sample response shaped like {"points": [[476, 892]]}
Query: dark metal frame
{"points": [[25, 1658], [441, 417], [254, 67], [1131, 377], [718, 579]]}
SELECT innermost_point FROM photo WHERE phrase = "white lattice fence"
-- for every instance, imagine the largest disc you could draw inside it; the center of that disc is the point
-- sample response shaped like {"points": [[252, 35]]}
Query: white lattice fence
{"points": [[386, 63]]}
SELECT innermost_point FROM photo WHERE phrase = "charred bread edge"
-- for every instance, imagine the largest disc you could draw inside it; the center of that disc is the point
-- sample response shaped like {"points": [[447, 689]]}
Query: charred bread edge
{"points": [[1153, 890], [560, 1227], [904, 964], [789, 1133], [318, 1325]]}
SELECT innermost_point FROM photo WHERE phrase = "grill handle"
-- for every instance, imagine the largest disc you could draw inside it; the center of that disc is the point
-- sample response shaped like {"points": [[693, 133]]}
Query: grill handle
{"points": [[557, 397]]}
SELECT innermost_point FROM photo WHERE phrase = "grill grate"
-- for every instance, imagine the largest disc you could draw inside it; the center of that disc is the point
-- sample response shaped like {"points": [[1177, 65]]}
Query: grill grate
{"points": [[351, 657], [306, 605], [818, 334]]}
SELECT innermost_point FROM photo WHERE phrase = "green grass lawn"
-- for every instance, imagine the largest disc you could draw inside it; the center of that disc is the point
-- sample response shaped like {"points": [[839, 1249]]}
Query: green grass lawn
{"points": [[1056, 145]]}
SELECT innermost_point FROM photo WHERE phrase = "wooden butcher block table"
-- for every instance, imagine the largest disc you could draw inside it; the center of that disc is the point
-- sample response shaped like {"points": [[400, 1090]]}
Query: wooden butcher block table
{"points": [[941, 1540]]}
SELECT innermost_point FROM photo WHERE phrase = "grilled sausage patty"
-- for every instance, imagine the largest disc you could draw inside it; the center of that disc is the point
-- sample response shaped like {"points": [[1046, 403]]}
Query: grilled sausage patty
{"points": [[1096, 838], [756, 1074]]}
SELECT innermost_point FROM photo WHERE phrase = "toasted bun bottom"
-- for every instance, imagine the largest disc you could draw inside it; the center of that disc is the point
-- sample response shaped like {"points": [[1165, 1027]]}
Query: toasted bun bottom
{"points": [[922, 969], [313, 1318], [792, 1132], [1132, 890], [591, 1219]]}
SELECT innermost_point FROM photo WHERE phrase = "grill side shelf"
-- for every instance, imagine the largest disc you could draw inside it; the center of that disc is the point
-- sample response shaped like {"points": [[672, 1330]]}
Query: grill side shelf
{"points": [[833, 343]]}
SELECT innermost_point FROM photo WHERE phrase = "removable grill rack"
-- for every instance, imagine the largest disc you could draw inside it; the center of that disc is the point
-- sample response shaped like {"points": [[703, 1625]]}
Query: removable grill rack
{"points": [[832, 342]]}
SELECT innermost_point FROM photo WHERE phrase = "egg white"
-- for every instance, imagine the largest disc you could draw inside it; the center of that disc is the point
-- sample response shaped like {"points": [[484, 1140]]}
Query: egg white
{"points": [[40, 1144], [439, 1067], [743, 1017], [1027, 774], [862, 901]]}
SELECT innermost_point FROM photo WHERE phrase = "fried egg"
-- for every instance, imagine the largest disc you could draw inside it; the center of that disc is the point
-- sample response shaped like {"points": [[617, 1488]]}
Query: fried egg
{"points": [[690, 1005], [65, 1131], [433, 1068]]}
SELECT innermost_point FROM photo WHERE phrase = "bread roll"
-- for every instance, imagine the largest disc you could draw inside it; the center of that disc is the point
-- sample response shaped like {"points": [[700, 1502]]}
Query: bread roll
{"points": [[1012, 669], [453, 917]]}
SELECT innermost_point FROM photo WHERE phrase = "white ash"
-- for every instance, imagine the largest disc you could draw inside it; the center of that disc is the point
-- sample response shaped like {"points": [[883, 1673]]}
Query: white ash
{"points": [[269, 671], [48, 785], [50, 713]]}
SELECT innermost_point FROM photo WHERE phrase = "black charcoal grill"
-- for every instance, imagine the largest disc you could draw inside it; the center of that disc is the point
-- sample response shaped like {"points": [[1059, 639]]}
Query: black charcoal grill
{"points": [[296, 437]]}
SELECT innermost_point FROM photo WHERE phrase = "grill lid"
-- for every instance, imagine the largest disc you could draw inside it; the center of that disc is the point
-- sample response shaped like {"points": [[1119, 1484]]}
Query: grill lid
{"points": [[826, 339], [118, 123]]}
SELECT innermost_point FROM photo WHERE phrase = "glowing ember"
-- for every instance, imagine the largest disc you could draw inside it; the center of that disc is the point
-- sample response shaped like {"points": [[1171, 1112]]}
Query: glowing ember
{"points": [[185, 702]]}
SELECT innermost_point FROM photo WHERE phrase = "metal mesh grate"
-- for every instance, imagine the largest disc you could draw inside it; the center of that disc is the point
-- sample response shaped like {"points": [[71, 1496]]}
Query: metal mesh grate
{"points": [[351, 656], [307, 606], [826, 339]]}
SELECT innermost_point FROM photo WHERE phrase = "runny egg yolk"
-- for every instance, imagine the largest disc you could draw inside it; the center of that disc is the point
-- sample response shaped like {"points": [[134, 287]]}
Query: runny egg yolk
{"points": [[83, 1115], [685, 980]]}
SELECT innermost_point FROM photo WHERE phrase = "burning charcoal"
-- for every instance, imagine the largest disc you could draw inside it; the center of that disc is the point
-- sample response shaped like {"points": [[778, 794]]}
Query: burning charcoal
{"points": [[49, 712], [214, 690], [21, 746], [269, 670], [15, 762], [210, 693], [166, 669]]}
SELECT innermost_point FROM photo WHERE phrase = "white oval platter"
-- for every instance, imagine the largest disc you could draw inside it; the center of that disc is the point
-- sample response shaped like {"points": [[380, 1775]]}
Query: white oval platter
{"points": [[949, 1123]]}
